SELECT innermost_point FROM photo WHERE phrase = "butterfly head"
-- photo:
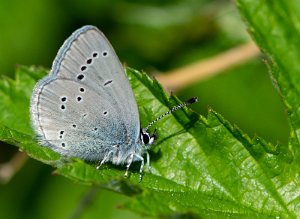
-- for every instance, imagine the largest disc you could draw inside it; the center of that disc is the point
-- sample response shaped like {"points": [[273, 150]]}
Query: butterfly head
{"points": [[146, 138]]}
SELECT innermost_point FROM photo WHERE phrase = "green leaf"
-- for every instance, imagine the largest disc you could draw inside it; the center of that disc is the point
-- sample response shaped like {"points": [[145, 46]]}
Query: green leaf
{"points": [[201, 167], [275, 26]]}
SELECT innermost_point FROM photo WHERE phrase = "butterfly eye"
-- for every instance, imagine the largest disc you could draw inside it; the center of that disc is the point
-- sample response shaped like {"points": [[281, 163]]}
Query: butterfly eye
{"points": [[145, 137]]}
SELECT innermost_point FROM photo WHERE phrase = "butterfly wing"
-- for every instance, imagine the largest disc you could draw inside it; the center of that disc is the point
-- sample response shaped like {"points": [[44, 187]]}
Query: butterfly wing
{"points": [[85, 106]]}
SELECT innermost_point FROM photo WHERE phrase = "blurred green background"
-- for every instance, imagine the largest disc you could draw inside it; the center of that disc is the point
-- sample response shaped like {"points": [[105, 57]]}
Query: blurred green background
{"points": [[147, 35]]}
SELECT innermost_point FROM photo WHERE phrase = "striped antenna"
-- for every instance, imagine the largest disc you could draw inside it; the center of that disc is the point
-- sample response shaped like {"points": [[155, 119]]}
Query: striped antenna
{"points": [[188, 102]]}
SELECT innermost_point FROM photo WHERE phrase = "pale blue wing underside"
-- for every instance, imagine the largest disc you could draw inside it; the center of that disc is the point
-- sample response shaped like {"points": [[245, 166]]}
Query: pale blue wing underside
{"points": [[85, 106]]}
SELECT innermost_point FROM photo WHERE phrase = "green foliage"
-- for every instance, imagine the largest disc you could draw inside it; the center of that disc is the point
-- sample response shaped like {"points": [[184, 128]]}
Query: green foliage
{"points": [[201, 167]]}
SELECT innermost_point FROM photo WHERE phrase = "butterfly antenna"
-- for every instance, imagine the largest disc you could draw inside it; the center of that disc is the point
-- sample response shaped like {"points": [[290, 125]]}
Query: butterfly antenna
{"points": [[185, 103]]}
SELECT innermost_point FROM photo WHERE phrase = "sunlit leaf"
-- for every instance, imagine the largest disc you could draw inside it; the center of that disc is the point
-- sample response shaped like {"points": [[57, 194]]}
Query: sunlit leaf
{"points": [[201, 167]]}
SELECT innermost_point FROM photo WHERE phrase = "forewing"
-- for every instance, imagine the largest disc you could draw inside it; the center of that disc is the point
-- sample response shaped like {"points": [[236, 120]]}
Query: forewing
{"points": [[85, 105]]}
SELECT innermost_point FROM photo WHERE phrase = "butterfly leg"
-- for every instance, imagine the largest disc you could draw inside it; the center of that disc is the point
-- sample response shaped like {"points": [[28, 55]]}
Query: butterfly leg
{"points": [[130, 159], [148, 162], [142, 165], [104, 160]]}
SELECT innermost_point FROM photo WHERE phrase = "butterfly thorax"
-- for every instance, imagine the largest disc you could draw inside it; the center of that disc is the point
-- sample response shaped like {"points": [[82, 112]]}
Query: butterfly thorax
{"points": [[121, 154]]}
